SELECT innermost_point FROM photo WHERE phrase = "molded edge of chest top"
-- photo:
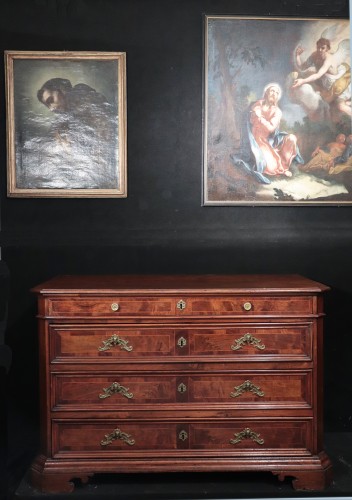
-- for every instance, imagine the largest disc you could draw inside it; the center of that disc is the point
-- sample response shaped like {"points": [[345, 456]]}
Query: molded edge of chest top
{"points": [[172, 284]]}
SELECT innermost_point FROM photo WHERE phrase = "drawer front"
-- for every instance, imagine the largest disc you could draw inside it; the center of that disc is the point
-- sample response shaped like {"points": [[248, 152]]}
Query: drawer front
{"points": [[246, 305], [112, 306], [280, 342], [113, 391], [120, 306], [252, 341], [110, 342], [274, 389], [126, 438]]}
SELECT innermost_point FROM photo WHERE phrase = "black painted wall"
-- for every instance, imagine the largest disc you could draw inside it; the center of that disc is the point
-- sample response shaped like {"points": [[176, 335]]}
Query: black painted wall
{"points": [[161, 226]]}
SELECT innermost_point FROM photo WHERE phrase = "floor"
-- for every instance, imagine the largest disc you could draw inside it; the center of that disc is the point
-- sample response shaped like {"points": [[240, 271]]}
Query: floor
{"points": [[214, 486]]}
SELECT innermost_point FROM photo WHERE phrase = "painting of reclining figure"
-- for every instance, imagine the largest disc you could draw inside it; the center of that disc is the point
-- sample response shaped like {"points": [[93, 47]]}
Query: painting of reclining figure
{"points": [[277, 111]]}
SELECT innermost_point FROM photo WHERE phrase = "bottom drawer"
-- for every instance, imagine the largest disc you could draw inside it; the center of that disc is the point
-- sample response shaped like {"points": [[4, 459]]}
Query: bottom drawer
{"points": [[125, 438]]}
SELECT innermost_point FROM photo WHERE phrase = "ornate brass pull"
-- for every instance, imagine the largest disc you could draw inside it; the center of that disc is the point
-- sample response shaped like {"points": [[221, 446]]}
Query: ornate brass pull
{"points": [[117, 434], [182, 342], [183, 435], [182, 388], [247, 306], [113, 341], [115, 306], [247, 433], [247, 339], [181, 304], [113, 389], [247, 386]]}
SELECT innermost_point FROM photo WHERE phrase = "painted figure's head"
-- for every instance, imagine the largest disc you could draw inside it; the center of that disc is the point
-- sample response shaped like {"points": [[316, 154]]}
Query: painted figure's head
{"points": [[52, 94], [272, 93], [341, 138], [323, 46]]}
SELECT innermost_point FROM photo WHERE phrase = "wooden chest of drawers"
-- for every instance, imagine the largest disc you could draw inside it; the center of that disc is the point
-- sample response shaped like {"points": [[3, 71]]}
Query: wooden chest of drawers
{"points": [[180, 373]]}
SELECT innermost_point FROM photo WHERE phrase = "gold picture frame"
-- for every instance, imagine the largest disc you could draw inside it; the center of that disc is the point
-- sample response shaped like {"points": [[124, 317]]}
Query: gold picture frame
{"points": [[297, 151], [66, 124]]}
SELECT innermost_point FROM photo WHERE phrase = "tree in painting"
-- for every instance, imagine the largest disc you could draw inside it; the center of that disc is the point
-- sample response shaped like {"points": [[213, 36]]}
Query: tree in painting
{"points": [[228, 64]]}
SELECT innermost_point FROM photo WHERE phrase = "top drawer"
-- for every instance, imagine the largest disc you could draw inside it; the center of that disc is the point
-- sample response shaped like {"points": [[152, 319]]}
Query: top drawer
{"points": [[180, 306]]}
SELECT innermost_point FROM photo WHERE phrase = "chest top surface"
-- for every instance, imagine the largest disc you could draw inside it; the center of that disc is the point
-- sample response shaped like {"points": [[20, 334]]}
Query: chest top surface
{"points": [[205, 283]]}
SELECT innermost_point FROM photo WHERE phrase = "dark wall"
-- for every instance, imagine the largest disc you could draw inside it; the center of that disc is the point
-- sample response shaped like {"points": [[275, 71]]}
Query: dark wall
{"points": [[161, 226]]}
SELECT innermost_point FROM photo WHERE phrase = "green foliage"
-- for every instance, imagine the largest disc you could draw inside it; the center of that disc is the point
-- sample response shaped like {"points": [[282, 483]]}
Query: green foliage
{"points": [[253, 56]]}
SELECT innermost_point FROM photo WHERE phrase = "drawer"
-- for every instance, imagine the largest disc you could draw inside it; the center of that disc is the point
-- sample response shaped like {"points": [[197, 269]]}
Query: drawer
{"points": [[119, 438], [110, 343], [120, 306], [109, 307], [291, 389], [251, 341], [246, 305], [279, 342]]}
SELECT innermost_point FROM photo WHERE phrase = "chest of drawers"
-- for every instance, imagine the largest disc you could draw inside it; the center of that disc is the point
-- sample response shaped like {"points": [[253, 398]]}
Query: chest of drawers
{"points": [[180, 373]]}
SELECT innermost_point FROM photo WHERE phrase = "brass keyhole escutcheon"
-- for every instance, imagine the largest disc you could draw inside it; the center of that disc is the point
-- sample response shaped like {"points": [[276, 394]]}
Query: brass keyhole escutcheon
{"points": [[182, 388], [247, 306], [182, 342], [115, 306], [181, 305], [183, 435]]}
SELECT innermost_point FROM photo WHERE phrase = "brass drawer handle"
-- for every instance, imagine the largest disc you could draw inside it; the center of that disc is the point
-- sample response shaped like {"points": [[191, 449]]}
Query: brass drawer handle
{"points": [[115, 306], [117, 434], [114, 388], [247, 306], [181, 304], [113, 341], [247, 433], [183, 435], [249, 340], [247, 386]]}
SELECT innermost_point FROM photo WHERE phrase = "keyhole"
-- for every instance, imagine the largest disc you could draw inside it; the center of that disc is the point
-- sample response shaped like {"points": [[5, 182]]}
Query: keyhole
{"points": [[181, 304], [183, 435], [182, 388], [182, 342]]}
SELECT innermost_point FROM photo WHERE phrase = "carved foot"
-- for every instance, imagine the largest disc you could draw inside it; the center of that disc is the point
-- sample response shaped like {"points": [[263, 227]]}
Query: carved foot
{"points": [[314, 480], [55, 483]]}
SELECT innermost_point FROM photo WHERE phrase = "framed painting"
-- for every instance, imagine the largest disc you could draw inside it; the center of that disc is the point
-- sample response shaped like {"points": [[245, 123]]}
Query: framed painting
{"points": [[277, 111], [66, 124]]}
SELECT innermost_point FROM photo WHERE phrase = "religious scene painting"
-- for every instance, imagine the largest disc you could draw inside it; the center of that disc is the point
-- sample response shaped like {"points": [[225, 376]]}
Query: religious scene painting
{"points": [[66, 124], [277, 111]]}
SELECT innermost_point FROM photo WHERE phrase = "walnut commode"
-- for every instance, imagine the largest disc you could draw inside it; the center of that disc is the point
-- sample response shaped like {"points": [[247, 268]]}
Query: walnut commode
{"points": [[181, 373]]}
